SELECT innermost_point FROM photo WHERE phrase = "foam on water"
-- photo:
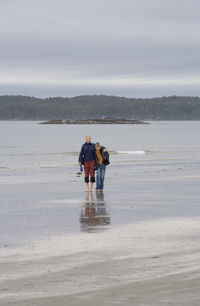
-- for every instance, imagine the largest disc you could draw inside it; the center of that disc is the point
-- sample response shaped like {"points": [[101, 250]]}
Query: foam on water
{"points": [[131, 152]]}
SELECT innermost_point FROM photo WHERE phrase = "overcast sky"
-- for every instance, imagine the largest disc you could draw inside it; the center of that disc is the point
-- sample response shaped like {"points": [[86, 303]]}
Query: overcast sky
{"points": [[137, 48]]}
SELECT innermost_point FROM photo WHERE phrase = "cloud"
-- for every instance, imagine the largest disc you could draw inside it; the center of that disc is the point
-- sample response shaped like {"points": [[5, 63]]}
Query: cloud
{"points": [[92, 46]]}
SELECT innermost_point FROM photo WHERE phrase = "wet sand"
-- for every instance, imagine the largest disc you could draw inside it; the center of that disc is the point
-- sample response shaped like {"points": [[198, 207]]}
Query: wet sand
{"points": [[137, 245], [150, 263]]}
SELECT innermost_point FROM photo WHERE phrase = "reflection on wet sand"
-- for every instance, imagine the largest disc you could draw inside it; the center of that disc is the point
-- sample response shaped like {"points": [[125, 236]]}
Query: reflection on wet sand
{"points": [[94, 214]]}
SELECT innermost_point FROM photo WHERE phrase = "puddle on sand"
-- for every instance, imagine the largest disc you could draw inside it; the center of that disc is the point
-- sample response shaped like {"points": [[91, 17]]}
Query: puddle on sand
{"points": [[94, 215]]}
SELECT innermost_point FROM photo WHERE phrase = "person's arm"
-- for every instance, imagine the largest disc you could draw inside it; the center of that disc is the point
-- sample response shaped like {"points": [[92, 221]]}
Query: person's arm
{"points": [[106, 154], [80, 155], [104, 149]]}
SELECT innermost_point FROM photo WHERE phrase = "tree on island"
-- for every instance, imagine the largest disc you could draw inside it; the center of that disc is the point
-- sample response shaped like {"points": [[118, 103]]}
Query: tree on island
{"points": [[99, 107]]}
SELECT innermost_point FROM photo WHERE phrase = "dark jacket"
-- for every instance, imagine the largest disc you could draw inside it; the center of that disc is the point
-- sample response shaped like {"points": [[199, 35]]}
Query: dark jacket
{"points": [[88, 151], [105, 156]]}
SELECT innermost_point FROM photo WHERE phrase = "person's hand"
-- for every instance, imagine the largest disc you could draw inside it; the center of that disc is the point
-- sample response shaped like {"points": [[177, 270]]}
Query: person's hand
{"points": [[79, 163]]}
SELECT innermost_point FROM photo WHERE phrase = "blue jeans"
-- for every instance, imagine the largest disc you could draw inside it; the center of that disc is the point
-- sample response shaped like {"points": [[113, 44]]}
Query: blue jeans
{"points": [[100, 176]]}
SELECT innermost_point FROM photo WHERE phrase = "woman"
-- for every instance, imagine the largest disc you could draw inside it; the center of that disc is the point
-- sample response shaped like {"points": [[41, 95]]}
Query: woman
{"points": [[102, 160], [87, 158]]}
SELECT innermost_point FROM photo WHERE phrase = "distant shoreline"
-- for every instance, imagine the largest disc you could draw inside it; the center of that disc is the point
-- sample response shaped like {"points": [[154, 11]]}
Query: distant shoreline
{"points": [[95, 121], [99, 106]]}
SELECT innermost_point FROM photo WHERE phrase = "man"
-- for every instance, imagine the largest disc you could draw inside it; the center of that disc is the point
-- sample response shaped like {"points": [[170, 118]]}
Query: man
{"points": [[102, 160], [87, 157]]}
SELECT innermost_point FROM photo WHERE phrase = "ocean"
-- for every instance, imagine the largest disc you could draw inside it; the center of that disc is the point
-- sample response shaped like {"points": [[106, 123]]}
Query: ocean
{"points": [[154, 174]]}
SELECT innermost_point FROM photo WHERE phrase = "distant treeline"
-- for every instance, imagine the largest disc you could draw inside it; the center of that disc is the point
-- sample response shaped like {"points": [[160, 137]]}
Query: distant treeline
{"points": [[99, 106]]}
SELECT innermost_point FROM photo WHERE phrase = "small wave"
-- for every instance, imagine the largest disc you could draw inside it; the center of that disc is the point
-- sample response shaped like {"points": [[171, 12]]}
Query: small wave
{"points": [[40, 154], [76, 153], [130, 152], [66, 153], [36, 167]]}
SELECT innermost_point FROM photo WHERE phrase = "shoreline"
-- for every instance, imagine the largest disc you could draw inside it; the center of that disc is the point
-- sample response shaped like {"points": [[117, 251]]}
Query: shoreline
{"points": [[95, 121], [132, 261]]}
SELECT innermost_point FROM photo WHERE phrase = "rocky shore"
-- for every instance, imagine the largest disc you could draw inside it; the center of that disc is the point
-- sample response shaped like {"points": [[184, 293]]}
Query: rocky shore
{"points": [[95, 121]]}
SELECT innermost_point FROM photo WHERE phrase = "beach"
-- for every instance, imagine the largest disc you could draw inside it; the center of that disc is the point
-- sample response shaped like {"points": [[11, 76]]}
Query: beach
{"points": [[151, 263], [136, 244]]}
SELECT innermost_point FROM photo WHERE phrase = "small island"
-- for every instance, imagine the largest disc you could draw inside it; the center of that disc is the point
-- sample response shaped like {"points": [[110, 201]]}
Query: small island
{"points": [[95, 121]]}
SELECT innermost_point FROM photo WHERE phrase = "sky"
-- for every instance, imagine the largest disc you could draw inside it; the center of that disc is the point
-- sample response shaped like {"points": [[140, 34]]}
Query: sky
{"points": [[132, 48]]}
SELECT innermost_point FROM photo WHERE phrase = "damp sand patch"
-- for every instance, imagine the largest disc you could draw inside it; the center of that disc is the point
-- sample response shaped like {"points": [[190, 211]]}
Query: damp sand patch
{"points": [[85, 265]]}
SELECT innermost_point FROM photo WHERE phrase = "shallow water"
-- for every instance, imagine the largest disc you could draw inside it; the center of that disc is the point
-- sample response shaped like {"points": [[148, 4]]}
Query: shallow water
{"points": [[154, 173]]}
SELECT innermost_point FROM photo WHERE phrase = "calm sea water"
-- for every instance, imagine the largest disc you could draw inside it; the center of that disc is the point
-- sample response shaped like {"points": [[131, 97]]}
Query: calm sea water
{"points": [[154, 173], [26, 146]]}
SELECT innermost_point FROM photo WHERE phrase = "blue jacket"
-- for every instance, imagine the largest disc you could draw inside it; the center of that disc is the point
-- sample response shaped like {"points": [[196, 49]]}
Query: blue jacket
{"points": [[88, 151]]}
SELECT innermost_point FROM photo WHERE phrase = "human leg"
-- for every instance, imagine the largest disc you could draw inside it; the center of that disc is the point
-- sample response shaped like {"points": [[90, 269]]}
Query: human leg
{"points": [[98, 179], [92, 173], [86, 171], [102, 176]]}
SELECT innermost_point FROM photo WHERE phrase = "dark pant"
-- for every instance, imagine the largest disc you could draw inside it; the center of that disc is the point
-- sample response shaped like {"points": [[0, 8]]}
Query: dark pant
{"points": [[89, 171], [100, 176]]}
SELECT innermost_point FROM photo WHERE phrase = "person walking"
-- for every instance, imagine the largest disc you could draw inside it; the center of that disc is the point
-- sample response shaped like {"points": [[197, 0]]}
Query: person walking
{"points": [[87, 158], [102, 160]]}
